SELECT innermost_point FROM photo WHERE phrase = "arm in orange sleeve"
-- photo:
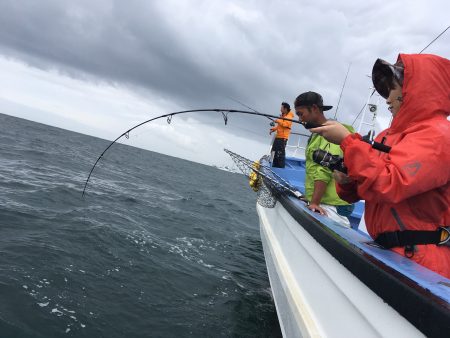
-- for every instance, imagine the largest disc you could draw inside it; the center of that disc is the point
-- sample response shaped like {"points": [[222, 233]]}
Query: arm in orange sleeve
{"points": [[417, 163], [284, 123]]}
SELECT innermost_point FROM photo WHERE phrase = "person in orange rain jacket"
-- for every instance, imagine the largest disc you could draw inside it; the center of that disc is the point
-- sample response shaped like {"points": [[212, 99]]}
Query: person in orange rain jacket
{"points": [[407, 190], [283, 129]]}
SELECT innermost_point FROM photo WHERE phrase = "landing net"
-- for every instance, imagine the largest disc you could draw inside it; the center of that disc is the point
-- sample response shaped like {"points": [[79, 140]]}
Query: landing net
{"points": [[270, 184]]}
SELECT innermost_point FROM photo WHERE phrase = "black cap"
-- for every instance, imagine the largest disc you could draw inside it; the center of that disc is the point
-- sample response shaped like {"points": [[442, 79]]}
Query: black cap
{"points": [[309, 98], [383, 76]]}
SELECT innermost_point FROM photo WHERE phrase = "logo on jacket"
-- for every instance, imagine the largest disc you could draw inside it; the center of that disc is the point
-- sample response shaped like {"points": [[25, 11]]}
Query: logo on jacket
{"points": [[412, 168]]}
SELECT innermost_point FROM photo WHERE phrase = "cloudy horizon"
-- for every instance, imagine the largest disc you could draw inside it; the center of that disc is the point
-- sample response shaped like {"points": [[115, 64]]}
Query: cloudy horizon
{"points": [[100, 68]]}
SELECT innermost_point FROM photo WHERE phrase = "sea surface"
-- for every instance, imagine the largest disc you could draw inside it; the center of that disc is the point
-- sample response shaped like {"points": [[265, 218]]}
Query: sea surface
{"points": [[158, 247]]}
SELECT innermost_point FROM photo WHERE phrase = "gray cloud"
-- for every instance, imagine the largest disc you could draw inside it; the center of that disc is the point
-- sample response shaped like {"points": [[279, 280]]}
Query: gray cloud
{"points": [[199, 53]]}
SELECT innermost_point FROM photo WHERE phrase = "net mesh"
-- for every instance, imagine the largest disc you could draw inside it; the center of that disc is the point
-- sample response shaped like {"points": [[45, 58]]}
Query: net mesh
{"points": [[271, 183]]}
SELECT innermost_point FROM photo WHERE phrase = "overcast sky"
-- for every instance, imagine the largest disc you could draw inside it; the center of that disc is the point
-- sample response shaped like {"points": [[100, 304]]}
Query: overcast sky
{"points": [[100, 67]]}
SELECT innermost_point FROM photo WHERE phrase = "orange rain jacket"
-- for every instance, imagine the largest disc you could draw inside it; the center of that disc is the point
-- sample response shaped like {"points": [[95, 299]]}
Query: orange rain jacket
{"points": [[283, 127], [413, 179]]}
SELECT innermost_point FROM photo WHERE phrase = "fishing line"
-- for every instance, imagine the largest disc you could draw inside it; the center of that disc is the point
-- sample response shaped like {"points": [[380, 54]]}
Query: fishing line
{"points": [[248, 107], [437, 37], [342, 90]]}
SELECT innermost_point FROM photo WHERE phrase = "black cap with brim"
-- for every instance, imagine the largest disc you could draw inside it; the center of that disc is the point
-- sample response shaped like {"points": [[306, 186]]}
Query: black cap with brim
{"points": [[311, 98], [383, 76]]}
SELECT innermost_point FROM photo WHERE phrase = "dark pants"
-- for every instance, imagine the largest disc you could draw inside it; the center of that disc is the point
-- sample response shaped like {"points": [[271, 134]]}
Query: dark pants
{"points": [[279, 147], [345, 210]]}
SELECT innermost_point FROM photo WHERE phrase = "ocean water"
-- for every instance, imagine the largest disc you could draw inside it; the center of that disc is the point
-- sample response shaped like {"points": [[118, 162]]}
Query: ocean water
{"points": [[159, 247]]}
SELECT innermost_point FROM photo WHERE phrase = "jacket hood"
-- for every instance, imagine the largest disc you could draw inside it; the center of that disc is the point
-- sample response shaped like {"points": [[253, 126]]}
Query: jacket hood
{"points": [[426, 89]]}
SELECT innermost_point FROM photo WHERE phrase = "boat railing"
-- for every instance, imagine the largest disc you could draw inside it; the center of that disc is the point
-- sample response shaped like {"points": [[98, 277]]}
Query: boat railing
{"points": [[296, 145]]}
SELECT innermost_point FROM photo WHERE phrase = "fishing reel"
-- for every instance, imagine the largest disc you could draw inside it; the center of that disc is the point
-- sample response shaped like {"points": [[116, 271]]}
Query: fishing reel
{"points": [[330, 161]]}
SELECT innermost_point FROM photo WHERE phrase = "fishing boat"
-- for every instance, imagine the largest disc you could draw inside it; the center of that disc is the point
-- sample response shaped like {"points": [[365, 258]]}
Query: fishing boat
{"points": [[329, 280]]}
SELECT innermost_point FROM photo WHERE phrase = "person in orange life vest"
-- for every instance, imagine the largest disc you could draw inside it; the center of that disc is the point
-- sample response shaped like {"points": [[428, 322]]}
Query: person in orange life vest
{"points": [[407, 191], [283, 129]]}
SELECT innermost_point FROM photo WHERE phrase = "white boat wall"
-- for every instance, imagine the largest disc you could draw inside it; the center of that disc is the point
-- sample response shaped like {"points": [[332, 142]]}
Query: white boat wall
{"points": [[331, 281]]}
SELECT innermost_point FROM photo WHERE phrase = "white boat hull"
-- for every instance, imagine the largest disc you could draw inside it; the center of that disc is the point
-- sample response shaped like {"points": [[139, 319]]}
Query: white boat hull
{"points": [[315, 295]]}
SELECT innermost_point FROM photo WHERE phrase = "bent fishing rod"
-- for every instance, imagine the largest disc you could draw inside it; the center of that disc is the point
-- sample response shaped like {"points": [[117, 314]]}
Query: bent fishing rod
{"points": [[169, 116]]}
